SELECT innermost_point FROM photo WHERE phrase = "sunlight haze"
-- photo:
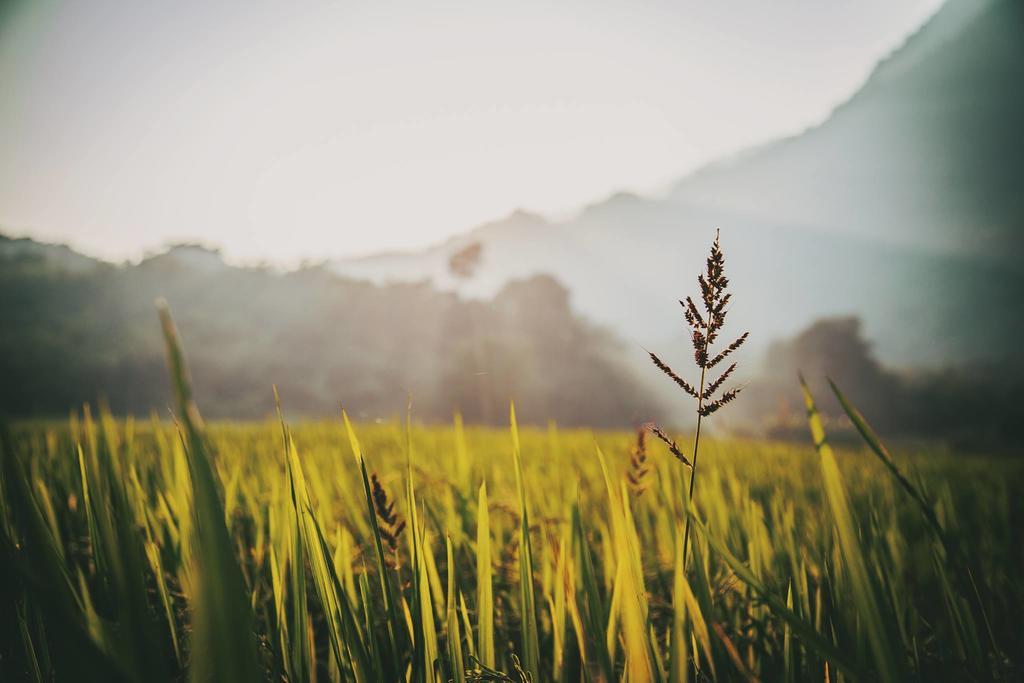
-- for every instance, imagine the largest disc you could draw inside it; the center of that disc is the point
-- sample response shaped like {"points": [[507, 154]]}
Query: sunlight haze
{"points": [[282, 131]]}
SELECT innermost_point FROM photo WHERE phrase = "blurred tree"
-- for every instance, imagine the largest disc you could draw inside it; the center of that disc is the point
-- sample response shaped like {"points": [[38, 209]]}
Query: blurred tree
{"points": [[73, 336], [464, 262], [829, 348], [974, 406]]}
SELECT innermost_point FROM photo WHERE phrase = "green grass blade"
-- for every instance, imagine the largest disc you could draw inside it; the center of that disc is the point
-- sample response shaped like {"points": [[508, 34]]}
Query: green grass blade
{"points": [[425, 655], [952, 548], [346, 644], [425, 605], [527, 601], [223, 646], [879, 449], [455, 662], [383, 572], [801, 629], [854, 563], [484, 582], [30, 570], [679, 660], [594, 613]]}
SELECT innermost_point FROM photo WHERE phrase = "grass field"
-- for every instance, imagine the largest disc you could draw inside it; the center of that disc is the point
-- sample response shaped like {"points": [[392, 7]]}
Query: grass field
{"points": [[551, 555], [155, 551]]}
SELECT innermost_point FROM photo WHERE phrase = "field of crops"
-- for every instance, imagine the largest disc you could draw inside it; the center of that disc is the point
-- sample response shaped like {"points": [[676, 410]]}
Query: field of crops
{"points": [[155, 551], [149, 551]]}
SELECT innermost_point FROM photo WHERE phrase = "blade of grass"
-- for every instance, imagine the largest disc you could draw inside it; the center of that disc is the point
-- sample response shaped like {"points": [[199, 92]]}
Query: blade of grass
{"points": [[801, 629], [879, 449], [425, 655], [484, 579], [383, 572], [346, 643], [594, 615], [952, 548], [527, 600], [458, 668], [223, 646], [868, 610]]}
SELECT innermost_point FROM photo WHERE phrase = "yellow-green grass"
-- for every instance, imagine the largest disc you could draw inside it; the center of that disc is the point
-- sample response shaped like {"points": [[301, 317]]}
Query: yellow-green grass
{"points": [[105, 555]]}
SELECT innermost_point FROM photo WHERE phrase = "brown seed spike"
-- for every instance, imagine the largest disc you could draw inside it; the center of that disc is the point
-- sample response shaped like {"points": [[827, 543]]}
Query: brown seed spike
{"points": [[712, 407], [672, 447], [686, 386], [728, 350], [704, 330], [641, 438], [688, 316], [637, 474], [388, 522], [700, 349], [707, 293], [717, 384], [693, 315], [720, 308]]}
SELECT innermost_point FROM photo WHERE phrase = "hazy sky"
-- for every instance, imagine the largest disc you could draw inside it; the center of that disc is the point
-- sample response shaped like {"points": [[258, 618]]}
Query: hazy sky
{"points": [[282, 130]]}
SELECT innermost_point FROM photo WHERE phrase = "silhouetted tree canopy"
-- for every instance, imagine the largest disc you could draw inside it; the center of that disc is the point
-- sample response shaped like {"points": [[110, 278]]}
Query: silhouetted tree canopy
{"points": [[71, 336], [973, 406], [464, 262]]}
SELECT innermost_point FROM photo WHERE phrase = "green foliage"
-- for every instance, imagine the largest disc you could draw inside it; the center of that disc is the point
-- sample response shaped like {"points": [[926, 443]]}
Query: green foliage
{"points": [[348, 340], [123, 559], [852, 563], [971, 406], [222, 642]]}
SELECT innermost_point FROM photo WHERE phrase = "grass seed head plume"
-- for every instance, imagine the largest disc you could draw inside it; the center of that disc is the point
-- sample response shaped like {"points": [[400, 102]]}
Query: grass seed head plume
{"points": [[639, 468], [672, 446], [481, 673], [389, 522], [683, 384], [167, 551], [706, 322]]}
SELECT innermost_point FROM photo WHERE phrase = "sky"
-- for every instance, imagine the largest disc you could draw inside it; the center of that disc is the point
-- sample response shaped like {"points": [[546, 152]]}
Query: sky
{"points": [[282, 131]]}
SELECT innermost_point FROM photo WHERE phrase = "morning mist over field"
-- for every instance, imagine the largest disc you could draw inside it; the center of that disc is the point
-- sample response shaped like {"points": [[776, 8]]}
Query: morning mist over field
{"points": [[515, 187], [590, 341], [342, 129]]}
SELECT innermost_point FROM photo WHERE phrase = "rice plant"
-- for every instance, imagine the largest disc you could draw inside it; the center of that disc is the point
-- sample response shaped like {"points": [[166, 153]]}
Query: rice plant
{"points": [[337, 551], [704, 330]]}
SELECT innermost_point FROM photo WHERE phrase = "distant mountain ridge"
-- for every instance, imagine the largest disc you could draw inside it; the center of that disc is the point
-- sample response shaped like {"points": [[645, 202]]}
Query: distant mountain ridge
{"points": [[903, 207], [76, 329], [922, 155], [55, 256]]}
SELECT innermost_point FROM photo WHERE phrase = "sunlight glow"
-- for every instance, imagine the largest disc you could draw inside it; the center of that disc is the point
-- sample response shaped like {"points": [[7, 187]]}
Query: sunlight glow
{"points": [[282, 133]]}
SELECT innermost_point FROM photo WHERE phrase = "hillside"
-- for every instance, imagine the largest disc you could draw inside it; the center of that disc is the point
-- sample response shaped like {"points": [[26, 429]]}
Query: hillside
{"points": [[923, 155], [87, 330], [903, 207]]}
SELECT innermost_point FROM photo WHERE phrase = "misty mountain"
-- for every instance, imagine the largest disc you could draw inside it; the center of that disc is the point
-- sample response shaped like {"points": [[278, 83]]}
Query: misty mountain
{"points": [[924, 155], [75, 330], [57, 257], [904, 207]]}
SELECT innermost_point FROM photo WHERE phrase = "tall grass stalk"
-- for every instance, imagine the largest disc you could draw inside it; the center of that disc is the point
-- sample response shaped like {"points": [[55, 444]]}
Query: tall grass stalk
{"points": [[161, 550], [704, 330], [223, 639]]}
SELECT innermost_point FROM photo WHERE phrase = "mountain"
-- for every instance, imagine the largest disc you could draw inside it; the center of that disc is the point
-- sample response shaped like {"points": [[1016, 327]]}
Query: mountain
{"points": [[924, 154], [57, 257], [903, 207], [74, 330], [187, 256]]}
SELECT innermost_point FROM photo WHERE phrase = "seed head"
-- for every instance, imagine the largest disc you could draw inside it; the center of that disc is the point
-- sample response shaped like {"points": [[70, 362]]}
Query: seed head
{"points": [[389, 523], [672, 447], [638, 466], [705, 327]]}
